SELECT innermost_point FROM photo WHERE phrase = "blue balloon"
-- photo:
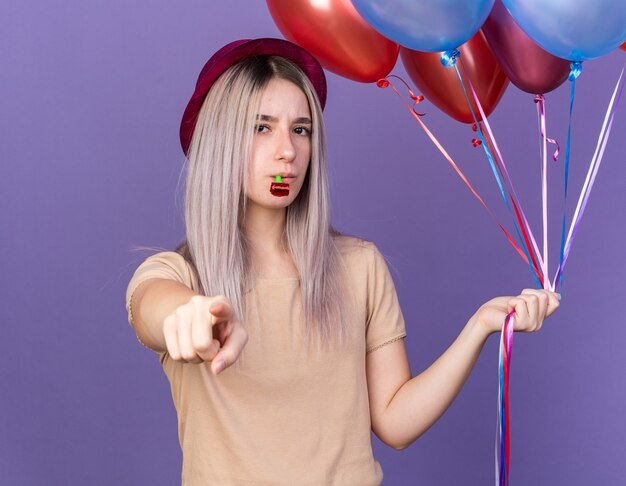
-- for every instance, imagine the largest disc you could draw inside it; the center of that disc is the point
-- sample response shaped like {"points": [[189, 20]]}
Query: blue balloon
{"points": [[572, 29], [426, 25]]}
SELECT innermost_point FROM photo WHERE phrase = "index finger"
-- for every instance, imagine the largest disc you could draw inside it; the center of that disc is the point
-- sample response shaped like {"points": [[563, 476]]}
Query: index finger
{"points": [[221, 311], [231, 349]]}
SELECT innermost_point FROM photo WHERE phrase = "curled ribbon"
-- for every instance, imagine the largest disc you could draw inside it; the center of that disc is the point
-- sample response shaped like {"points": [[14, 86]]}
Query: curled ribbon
{"points": [[541, 108], [417, 99], [475, 141]]}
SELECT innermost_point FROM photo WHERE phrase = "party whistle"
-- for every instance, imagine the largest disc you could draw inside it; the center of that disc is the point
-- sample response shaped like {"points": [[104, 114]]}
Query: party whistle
{"points": [[279, 188]]}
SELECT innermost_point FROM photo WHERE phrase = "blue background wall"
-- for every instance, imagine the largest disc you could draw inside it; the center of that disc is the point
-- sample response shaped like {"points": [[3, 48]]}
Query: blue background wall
{"points": [[91, 95]]}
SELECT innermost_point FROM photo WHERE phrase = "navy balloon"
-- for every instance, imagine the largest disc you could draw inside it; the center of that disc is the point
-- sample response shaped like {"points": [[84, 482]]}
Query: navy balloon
{"points": [[572, 29], [426, 25]]}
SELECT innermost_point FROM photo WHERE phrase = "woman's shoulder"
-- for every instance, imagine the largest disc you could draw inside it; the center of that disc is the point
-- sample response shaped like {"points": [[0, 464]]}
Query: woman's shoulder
{"points": [[350, 245], [166, 257], [356, 252], [167, 264]]}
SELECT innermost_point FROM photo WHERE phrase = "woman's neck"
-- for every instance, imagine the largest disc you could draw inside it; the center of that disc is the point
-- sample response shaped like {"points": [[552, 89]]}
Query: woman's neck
{"points": [[264, 229]]}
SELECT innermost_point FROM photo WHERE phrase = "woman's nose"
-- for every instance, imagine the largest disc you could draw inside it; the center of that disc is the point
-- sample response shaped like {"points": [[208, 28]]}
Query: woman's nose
{"points": [[285, 149]]}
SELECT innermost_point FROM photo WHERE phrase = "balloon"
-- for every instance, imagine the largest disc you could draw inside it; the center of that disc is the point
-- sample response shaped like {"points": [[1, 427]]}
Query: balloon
{"points": [[527, 65], [623, 46], [572, 29], [426, 25], [441, 86], [335, 33]]}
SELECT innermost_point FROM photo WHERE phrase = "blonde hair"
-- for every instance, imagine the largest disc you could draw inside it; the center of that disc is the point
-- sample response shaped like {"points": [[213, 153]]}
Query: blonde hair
{"points": [[215, 201]]}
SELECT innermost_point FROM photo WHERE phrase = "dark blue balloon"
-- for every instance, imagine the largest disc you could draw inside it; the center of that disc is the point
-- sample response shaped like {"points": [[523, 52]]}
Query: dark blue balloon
{"points": [[572, 29], [426, 25]]}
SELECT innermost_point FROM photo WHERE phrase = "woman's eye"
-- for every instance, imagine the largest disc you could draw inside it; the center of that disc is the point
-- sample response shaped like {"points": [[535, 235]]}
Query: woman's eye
{"points": [[302, 131], [261, 128]]}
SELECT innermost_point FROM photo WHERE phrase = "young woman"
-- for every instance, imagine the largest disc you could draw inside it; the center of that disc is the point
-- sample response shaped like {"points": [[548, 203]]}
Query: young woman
{"points": [[281, 339]]}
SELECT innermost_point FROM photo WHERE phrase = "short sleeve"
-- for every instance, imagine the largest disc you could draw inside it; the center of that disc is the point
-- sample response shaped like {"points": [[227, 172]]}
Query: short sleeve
{"points": [[167, 265], [385, 323]]}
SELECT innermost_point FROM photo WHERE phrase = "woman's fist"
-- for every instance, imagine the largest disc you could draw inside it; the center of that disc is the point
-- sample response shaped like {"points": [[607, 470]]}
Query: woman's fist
{"points": [[531, 308], [205, 329]]}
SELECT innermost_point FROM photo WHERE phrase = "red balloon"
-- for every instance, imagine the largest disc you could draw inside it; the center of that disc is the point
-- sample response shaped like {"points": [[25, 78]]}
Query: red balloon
{"points": [[336, 34], [441, 86], [527, 65], [623, 46]]}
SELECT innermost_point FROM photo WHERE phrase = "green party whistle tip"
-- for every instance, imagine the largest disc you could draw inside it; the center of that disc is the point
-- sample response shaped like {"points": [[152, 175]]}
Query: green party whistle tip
{"points": [[278, 179]]}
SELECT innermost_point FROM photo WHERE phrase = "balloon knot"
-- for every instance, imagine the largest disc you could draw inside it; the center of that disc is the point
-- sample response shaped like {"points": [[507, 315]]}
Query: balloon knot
{"points": [[448, 58], [382, 83], [538, 98], [476, 142], [474, 127], [417, 99], [576, 68]]}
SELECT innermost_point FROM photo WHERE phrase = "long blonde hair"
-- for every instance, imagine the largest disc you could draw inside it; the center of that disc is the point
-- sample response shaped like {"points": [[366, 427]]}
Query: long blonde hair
{"points": [[215, 201]]}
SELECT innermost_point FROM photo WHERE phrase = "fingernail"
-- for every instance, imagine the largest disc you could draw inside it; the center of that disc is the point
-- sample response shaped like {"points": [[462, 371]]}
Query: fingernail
{"points": [[559, 296], [219, 366]]}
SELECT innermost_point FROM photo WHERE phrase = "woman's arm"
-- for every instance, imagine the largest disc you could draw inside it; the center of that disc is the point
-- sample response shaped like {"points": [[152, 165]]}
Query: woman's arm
{"points": [[403, 408], [152, 301]]}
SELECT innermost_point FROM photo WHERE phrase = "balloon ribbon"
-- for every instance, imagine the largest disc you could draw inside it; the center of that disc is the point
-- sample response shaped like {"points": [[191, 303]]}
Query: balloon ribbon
{"points": [[541, 114], [576, 69], [503, 434]]}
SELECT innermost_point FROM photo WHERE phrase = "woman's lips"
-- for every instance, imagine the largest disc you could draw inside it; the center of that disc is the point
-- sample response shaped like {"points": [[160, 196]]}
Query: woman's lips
{"points": [[286, 180]]}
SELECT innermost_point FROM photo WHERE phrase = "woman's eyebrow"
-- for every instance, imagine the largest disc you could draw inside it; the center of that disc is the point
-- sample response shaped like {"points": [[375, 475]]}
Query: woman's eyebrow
{"points": [[302, 120]]}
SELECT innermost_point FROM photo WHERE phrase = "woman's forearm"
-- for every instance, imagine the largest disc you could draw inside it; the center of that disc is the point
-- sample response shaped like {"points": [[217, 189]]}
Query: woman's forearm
{"points": [[422, 400], [151, 302]]}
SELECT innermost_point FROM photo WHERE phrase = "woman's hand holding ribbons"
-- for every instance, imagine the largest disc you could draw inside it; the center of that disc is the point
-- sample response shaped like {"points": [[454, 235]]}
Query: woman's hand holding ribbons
{"points": [[531, 308]]}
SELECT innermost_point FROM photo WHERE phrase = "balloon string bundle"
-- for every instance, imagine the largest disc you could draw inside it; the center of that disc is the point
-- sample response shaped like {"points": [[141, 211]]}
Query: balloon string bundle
{"points": [[503, 430], [524, 232]]}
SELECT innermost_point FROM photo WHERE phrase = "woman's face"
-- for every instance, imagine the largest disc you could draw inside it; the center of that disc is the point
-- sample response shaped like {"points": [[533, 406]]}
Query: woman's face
{"points": [[281, 144]]}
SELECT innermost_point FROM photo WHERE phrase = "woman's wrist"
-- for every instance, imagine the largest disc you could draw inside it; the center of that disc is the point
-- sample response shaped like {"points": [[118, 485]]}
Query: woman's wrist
{"points": [[479, 326]]}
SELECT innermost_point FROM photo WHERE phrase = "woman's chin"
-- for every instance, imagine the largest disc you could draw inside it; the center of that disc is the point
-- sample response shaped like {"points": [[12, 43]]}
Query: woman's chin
{"points": [[271, 202]]}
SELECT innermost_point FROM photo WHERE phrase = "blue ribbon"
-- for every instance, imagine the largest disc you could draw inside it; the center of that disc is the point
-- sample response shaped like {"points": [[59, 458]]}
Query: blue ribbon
{"points": [[576, 68]]}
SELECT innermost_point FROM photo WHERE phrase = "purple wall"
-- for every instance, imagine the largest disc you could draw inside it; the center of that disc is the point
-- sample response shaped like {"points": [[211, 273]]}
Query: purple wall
{"points": [[91, 94]]}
